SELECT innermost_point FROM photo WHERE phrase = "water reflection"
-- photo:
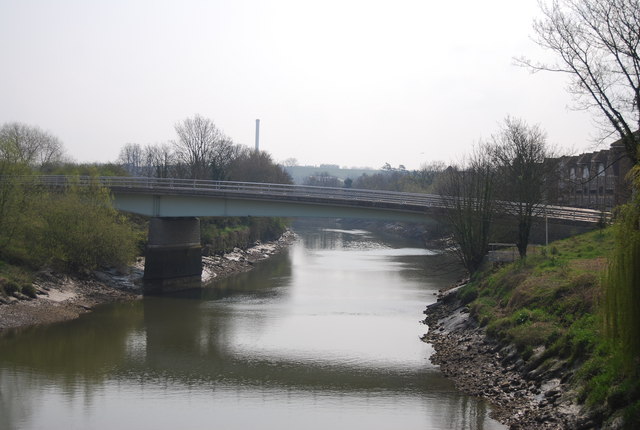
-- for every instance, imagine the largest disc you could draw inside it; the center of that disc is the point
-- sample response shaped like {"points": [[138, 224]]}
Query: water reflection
{"points": [[325, 335]]}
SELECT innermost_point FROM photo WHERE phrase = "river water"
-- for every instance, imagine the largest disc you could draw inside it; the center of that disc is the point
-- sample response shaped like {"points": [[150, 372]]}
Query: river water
{"points": [[323, 336]]}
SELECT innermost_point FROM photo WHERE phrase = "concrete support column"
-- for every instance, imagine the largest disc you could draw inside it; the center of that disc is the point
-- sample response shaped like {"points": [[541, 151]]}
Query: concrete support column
{"points": [[173, 258]]}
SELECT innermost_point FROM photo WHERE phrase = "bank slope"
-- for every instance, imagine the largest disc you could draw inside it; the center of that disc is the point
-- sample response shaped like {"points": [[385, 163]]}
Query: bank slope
{"points": [[538, 321]]}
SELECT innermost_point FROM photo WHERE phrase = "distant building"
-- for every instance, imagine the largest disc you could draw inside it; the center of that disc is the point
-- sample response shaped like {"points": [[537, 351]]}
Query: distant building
{"points": [[595, 180]]}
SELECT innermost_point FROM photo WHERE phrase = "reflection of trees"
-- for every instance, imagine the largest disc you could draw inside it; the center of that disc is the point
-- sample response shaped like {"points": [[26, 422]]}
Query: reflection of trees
{"points": [[84, 348], [14, 389], [264, 279], [75, 355]]}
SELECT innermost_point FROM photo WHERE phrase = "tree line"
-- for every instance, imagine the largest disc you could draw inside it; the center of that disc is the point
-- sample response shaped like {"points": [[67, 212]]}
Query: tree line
{"points": [[201, 151]]}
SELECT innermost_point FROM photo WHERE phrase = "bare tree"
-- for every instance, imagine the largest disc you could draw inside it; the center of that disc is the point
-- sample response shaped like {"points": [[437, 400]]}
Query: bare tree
{"points": [[29, 145], [222, 157], [470, 190], [159, 161], [524, 162], [131, 158], [290, 162], [203, 150], [596, 42]]}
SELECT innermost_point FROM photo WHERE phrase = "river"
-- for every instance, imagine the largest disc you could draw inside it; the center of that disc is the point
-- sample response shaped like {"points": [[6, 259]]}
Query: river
{"points": [[323, 336]]}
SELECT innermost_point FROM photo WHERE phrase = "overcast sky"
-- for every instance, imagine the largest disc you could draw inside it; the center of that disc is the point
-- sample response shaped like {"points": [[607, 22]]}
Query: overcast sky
{"points": [[348, 82]]}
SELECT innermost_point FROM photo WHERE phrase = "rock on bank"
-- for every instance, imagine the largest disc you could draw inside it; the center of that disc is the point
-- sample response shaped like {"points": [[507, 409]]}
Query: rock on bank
{"points": [[484, 368]]}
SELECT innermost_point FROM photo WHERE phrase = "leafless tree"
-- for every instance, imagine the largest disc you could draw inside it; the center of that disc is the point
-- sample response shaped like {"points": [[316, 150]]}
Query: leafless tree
{"points": [[526, 169], [203, 149], [290, 162], [21, 143], [596, 42], [159, 161], [222, 157], [470, 191], [131, 158]]}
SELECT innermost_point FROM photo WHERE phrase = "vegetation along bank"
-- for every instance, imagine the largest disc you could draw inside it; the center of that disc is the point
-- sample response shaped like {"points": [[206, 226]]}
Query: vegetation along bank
{"points": [[530, 338]]}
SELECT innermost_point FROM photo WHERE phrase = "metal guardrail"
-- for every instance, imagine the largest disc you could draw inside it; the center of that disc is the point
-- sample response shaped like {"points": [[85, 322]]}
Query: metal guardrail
{"points": [[410, 202]]}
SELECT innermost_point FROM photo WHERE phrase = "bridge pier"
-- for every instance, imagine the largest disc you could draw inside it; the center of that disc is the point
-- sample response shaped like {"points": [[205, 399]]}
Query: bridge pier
{"points": [[173, 259]]}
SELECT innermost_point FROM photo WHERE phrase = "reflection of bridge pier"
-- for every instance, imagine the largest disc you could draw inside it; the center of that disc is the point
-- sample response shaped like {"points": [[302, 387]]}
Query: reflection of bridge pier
{"points": [[173, 255]]}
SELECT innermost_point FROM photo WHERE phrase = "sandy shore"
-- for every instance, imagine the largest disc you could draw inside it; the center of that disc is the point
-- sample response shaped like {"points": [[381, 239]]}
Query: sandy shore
{"points": [[64, 297]]}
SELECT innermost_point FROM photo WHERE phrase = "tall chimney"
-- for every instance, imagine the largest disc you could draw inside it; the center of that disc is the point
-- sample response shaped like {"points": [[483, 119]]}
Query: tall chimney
{"points": [[257, 135]]}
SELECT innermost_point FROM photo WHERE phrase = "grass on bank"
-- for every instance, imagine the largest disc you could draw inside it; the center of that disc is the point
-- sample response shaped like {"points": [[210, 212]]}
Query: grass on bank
{"points": [[548, 306]]}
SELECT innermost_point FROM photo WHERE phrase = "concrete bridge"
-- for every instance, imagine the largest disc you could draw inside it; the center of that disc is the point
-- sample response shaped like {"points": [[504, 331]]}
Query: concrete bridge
{"points": [[170, 198], [174, 206]]}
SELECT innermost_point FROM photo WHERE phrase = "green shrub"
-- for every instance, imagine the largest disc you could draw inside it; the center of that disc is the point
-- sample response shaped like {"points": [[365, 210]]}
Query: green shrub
{"points": [[29, 290], [467, 294], [11, 287], [80, 230], [632, 414], [483, 309]]}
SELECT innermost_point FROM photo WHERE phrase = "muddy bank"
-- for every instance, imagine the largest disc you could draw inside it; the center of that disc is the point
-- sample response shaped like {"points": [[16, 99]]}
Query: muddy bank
{"points": [[520, 397], [64, 297], [221, 266]]}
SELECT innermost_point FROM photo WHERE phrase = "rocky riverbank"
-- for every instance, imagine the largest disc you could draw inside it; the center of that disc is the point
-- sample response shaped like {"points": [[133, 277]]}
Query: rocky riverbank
{"points": [[221, 266], [521, 398], [64, 297]]}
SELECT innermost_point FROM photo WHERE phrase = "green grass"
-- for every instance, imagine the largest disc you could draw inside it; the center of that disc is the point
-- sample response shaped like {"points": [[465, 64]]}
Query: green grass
{"points": [[16, 279], [552, 300]]}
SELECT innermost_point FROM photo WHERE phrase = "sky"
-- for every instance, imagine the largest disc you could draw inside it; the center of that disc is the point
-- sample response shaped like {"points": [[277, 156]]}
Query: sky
{"points": [[358, 83]]}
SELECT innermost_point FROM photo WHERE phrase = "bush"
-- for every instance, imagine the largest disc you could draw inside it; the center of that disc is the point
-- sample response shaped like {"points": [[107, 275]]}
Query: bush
{"points": [[468, 293], [80, 230], [11, 287], [29, 290]]}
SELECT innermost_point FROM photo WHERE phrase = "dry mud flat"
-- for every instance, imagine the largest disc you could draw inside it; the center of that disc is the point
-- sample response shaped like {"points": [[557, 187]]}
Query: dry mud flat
{"points": [[483, 368], [62, 297]]}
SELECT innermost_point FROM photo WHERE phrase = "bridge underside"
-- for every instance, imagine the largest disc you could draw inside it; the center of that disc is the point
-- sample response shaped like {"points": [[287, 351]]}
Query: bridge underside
{"points": [[198, 206]]}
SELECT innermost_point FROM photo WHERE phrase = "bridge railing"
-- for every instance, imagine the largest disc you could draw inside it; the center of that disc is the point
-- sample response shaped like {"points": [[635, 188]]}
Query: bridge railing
{"points": [[271, 190], [407, 201]]}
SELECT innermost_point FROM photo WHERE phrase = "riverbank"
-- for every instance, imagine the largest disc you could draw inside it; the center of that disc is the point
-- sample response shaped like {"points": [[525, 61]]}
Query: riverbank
{"points": [[60, 297], [528, 337], [482, 367], [238, 261]]}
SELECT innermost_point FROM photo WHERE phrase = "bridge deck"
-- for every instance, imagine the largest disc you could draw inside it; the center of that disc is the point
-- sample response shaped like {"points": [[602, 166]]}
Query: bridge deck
{"points": [[193, 197]]}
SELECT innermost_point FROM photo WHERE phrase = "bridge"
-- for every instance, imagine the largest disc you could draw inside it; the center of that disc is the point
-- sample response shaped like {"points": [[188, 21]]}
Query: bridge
{"points": [[174, 206], [167, 197]]}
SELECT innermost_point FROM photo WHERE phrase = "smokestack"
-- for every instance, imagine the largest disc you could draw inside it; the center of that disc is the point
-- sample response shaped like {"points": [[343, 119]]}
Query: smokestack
{"points": [[257, 135]]}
